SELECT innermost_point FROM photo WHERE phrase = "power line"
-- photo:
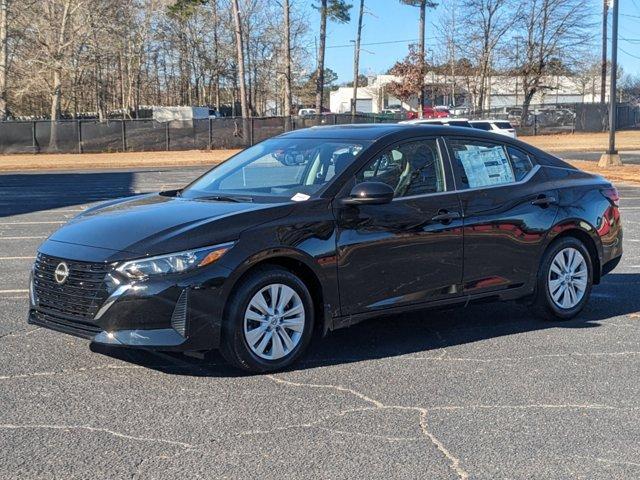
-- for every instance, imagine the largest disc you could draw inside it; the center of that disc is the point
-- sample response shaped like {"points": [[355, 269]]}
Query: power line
{"points": [[630, 54], [380, 43]]}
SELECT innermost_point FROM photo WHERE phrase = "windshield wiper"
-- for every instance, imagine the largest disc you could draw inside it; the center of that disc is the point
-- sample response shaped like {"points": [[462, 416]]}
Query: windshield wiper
{"points": [[224, 198]]}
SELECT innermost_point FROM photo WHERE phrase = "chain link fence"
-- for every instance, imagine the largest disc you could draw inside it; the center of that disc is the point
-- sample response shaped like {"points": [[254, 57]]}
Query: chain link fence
{"points": [[93, 136], [548, 119]]}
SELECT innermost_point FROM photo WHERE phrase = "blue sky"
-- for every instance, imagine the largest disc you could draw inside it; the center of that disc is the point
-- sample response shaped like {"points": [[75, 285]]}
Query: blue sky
{"points": [[390, 21]]}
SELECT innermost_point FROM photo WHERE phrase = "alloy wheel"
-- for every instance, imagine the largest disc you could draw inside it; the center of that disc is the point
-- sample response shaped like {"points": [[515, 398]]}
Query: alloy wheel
{"points": [[274, 321], [568, 277]]}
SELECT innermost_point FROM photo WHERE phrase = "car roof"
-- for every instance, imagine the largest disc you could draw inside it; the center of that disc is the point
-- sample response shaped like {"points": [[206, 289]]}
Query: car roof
{"points": [[377, 131], [488, 120]]}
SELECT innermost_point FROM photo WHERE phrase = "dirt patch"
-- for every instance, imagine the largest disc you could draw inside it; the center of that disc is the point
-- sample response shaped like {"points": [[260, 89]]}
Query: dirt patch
{"points": [[626, 173], [584, 142], [85, 161]]}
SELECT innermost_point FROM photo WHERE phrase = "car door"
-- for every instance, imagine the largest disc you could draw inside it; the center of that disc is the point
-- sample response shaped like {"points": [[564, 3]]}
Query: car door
{"points": [[508, 207], [410, 250]]}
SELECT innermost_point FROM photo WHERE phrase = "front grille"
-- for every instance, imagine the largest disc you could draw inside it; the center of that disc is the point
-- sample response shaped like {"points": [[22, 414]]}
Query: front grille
{"points": [[79, 297], [65, 325]]}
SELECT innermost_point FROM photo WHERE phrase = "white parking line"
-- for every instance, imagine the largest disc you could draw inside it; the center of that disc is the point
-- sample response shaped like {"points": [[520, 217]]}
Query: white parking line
{"points": [[39, 237], [31, 223], [17, 258], [14, 291]]}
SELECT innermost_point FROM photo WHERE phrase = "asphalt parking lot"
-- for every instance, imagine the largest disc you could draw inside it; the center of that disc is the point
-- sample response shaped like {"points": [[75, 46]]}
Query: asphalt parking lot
{"points": [[486, 392]]}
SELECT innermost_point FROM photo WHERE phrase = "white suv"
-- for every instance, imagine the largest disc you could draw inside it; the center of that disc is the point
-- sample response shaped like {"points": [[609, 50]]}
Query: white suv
{"points": [[502, 127], [452, 122]]}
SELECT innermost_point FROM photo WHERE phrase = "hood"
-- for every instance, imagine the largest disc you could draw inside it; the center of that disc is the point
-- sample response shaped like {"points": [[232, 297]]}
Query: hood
{"points": [[155, 224]]}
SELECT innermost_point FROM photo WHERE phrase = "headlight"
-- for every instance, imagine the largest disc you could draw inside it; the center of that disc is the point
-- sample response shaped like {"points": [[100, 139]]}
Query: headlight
{"points": [[173, 262]]}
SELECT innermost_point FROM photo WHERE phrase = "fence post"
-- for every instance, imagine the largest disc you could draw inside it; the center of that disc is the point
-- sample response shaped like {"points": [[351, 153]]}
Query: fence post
{"points": [[535, 124], [34, 139], [79, 122], [167, 139], [251, 131], [210, 143], [123, 129]]}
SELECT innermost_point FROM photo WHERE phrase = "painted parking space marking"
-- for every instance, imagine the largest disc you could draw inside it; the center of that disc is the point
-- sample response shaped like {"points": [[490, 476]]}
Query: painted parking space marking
{"points": [[17, 258], [14, 291], [34, 237], [33, 223]]}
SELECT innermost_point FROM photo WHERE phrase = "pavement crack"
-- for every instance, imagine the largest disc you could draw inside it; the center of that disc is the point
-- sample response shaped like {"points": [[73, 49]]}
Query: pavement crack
{"points": [[338, 388], [454, 462], [8, 426]]}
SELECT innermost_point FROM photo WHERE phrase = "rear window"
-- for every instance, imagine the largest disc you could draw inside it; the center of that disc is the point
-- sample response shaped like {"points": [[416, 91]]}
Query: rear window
{"points": [[482, 125], [504, 125]]}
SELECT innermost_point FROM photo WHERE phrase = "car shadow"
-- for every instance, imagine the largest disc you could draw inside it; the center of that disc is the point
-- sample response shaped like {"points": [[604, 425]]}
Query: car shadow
{"points": [[425, 332], [33, 192]]}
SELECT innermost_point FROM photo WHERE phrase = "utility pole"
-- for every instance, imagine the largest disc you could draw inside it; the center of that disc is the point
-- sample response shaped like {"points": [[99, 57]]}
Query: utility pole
{"points": [[518, 64], [4, 34], [356, 61], [603, 66], [611, 158], [288, 100]]}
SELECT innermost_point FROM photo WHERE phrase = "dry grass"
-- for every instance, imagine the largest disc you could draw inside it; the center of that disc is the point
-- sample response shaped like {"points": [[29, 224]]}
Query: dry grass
{"points": [[87, 161], [585, 142], [626, 173]]}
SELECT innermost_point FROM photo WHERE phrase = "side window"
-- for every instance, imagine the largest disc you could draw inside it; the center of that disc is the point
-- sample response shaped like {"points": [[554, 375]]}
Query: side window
{"points": [[413, 168], [522, 163], [483, 163]]}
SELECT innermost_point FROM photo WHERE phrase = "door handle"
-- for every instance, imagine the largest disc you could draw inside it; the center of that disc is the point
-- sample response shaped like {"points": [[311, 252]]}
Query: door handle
{"points": [[544, 201], [445, 216]]}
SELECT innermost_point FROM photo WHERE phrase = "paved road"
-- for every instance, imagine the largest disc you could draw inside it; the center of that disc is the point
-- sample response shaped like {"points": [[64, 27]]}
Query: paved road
{"points": [[486, 392]]}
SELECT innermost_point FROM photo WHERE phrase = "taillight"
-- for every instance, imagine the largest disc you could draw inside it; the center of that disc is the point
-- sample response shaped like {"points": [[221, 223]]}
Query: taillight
{"points": [[612, 194]]}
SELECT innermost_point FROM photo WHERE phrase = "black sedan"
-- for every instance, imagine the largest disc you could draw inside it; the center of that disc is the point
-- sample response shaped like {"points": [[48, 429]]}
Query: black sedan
{"points": [[321, 228]]}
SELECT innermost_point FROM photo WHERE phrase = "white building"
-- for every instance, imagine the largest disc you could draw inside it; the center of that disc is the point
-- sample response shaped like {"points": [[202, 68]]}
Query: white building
{"points": [[503, 91]]}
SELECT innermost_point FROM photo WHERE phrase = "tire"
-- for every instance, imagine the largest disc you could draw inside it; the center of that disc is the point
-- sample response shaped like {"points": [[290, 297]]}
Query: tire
{"points": [[561, 294], [251, 317]]}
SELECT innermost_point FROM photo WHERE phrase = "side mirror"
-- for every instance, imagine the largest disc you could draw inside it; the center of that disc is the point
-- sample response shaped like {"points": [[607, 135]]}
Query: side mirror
{"points": [[369, 193]]}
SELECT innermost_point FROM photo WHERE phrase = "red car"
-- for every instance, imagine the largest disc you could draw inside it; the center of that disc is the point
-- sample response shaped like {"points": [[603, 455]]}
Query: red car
{"points": [[428, 112]]}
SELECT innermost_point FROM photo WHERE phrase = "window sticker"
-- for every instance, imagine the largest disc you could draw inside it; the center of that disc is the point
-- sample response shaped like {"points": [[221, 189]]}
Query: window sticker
{"points": [[300, 197], [486, 166]]}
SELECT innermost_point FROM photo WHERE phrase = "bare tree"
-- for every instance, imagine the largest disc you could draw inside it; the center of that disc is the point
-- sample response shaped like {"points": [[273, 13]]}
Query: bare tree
{"points": [[356, 60], [486, 22], [423, 5], [338, 11], [554, 29]]}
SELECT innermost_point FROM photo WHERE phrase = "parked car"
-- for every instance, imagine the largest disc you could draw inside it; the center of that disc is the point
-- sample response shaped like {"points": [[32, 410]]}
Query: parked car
{"points": [[429, 112], [255, 257], [457, 111], [307, 112], [502, 127], [451, 122]]}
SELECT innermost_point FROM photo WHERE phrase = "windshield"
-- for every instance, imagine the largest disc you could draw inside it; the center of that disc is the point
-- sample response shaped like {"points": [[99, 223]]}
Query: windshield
{"points": [[291, 168]]}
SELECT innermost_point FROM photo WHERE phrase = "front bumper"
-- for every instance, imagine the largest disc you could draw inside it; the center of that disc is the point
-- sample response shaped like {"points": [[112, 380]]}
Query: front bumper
{"points": [[181, 313]]}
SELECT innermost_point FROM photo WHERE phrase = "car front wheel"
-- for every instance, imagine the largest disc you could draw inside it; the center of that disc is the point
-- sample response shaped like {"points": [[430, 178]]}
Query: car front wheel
{"points": [[564, 280], [269, 321]]}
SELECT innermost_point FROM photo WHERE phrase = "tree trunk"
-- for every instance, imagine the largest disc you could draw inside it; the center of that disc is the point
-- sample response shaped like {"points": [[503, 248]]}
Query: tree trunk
{"points": [[321, 49], [288, 100], [421, 51], [55, 108], [356, 61], [4, 4]]}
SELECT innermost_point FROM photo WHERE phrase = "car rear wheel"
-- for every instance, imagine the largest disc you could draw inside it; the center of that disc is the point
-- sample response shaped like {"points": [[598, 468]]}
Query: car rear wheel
{"points": [[565, 278], [269, 321]]}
